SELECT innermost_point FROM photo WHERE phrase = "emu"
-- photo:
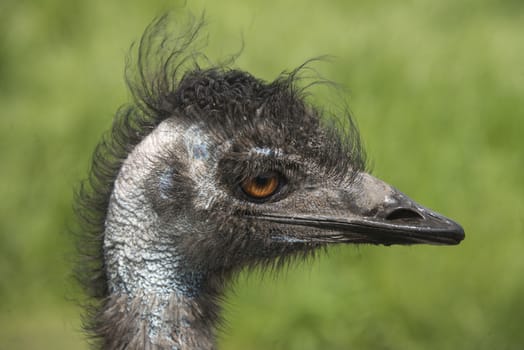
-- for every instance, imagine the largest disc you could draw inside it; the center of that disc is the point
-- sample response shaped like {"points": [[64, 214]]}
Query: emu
{"points": [[210, 171]]}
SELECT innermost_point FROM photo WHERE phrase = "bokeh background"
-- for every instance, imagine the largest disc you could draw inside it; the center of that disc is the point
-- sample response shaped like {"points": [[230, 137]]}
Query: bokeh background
{"points": [[437, 88]]}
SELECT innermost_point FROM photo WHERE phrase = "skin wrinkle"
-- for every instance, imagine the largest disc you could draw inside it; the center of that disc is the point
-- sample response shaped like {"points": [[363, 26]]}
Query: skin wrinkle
{"points": [[166, 183]]}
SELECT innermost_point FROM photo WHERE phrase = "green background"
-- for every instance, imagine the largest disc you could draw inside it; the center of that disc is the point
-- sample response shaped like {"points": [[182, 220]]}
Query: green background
{"points": [[437, 88]]}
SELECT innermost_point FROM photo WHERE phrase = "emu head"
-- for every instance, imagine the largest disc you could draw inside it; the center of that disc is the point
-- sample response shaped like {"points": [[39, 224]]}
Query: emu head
{"points": [[242, 172], [213, 170]]}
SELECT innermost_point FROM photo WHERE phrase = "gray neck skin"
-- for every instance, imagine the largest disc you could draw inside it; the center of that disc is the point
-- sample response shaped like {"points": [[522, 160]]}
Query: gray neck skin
{"points": [[153, 301]]}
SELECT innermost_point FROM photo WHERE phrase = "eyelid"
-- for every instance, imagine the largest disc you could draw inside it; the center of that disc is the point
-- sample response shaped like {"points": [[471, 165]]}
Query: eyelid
{"points": [[266, 151]]}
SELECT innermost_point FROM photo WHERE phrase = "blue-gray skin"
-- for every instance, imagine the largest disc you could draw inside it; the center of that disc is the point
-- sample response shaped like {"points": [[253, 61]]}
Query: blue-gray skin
{"points": [[178, 222]]}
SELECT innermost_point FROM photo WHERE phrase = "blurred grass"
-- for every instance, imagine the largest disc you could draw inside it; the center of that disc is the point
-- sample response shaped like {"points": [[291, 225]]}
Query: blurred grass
{"points": [[437, 89]]}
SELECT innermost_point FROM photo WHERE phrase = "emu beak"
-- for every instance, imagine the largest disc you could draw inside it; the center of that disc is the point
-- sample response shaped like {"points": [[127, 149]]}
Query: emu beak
{"points": [[378, 214]]}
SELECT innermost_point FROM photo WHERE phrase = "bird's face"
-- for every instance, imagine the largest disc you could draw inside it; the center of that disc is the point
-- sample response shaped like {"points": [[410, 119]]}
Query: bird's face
{"points": [[268, 188]]}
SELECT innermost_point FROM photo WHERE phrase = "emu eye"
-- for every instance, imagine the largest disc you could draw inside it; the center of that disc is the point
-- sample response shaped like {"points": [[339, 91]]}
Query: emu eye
{"points": [[262, 186]]}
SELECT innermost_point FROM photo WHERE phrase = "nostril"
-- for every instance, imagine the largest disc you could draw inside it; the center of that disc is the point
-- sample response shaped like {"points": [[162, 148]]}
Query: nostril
{"points": [[403, 213]]}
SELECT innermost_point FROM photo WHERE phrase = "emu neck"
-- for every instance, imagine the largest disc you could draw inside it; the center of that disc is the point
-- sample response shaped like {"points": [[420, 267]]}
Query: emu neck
{"points": [[156, 300], [154, 322]]}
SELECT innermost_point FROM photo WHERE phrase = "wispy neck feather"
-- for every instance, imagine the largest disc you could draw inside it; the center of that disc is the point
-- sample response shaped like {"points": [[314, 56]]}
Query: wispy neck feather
{"points": [[154, 299], [153, 322]]}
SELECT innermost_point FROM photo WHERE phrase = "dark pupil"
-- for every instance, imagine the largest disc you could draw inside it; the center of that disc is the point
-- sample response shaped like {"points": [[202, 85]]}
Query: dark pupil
{"points": [[261, 181]]}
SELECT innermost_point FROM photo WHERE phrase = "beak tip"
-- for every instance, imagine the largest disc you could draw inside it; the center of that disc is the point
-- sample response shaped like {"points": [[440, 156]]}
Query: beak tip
{"points": [[459, 233]]}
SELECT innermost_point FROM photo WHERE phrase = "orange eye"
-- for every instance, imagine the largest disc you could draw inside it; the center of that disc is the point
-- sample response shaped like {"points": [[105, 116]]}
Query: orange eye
{"points": [[261, 186]]}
